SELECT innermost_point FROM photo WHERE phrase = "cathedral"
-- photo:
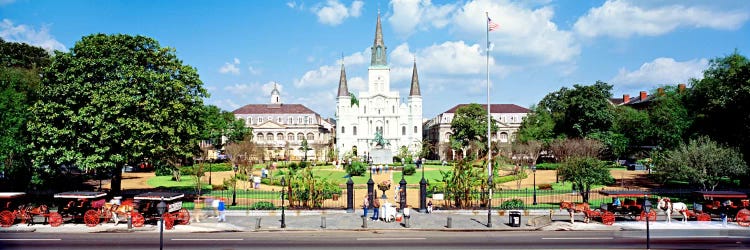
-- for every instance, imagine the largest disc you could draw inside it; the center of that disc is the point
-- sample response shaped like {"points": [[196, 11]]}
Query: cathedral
{"points": [[378, 112]]}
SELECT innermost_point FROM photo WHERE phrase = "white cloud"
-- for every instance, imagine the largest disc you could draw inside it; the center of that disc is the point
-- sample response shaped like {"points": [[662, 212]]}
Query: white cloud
{"points": [[356, 84], [454, 58], [231, 67], [333, 12], [253, 70], [268, 87], [410, 15], [242, 90], [25, 34], [662, 71], [523, 32], [618, 18], [328, 75], [226, 102]]}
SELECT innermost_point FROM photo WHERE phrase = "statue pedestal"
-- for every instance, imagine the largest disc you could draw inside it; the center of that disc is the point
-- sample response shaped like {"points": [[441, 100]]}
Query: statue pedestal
{"points": [[381, 156]]}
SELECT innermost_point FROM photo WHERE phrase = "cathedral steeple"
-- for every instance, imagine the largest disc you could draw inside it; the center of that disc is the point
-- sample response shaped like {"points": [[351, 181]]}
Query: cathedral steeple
{"points": [[414, 81], [379, 50], [343, 89], [275, 96]]}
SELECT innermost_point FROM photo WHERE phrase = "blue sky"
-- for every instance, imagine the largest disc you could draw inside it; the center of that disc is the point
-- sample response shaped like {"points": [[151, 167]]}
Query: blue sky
{"points": [[241, 47]]}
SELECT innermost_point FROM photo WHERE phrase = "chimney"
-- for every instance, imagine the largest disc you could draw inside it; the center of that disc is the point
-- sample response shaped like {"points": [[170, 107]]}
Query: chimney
{"points": [[643, 95], [681, 87], [625, 98], [660, 91]]}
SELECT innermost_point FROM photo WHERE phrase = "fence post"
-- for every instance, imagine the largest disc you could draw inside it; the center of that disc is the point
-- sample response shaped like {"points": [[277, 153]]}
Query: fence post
{"points": [[350, 195], [402, 192], [423, 195]]}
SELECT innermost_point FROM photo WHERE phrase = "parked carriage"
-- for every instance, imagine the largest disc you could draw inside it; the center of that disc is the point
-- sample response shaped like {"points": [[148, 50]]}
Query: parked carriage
{"points": [[146, 205], [710, 204], [80, 205], [11, 208], [631, 205]]}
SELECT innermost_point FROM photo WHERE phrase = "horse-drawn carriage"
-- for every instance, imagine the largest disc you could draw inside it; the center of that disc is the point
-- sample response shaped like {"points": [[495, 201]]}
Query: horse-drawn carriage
{"points": [[631, 205], [11, 208], [714, 203], [146, 205], [80, 205]]}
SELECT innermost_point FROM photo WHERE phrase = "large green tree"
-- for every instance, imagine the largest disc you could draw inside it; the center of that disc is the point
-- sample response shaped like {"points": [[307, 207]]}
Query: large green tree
{"points": [[20, 66], [701, 162], [217, 123], [580, 111], [721, 102], [537, 126], [114, 100], [668, 119], [469, 126]]}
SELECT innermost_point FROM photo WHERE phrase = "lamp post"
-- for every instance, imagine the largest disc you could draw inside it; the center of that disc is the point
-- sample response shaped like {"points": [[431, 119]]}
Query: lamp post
{"points": [[283, 191], [647, 208], [160, 208], [234, 191], [533, 169], [423, 194], [489, 201]]}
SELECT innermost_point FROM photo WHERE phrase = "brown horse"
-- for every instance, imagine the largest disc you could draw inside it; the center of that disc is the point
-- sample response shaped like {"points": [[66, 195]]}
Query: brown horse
{"points": [[575, 208], [115, 209]]}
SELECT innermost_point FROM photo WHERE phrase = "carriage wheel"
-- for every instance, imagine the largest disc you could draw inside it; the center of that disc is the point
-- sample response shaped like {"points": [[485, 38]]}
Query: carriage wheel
{"points": [[608, 218], [7, 218], [703, 217], [137, 218], [55, 219], [743, 217], [91, 218], [651, 216], [183, 216], [168, 221]]}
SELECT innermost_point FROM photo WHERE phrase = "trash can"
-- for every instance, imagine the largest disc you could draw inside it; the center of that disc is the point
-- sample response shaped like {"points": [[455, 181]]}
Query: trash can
{"points": [[514, 219]]}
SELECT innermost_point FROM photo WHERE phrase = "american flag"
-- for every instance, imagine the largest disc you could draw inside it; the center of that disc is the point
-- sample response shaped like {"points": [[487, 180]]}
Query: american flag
{"points": [[492, 25]]}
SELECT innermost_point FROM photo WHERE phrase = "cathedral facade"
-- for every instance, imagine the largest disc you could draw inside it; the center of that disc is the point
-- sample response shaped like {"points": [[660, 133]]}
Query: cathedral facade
{"points": [[378, 110]]}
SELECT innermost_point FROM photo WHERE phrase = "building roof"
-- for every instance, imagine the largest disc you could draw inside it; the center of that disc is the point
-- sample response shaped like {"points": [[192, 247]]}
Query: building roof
{"points": [[496, 108], [273, 109]]}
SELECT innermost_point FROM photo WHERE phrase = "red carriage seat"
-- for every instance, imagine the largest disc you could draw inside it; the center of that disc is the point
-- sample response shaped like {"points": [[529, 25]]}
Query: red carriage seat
{"points": [[745, 203], [98, 203]]}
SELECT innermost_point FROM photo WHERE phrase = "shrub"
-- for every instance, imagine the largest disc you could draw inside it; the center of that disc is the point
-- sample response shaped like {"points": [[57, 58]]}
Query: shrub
{"points": [[409, 169], [262, 205], [544, 186], [356, 169], [396, 159], [303, 164], [547, 166], [512, 204], [292, 165], [218, 187]]}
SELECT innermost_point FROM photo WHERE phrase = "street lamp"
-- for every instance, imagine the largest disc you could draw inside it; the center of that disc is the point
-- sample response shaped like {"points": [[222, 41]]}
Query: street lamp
{"points": [[533, 169], [234, 191], [647, 208], [422, 193], [489, 201], [283, 191], [160, 208]]}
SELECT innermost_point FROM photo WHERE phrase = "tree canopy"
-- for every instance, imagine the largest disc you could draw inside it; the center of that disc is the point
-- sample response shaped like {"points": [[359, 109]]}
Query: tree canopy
{"points": [[217, 123], [469, 125], [701, 162], [580, 111], [113, 100]]}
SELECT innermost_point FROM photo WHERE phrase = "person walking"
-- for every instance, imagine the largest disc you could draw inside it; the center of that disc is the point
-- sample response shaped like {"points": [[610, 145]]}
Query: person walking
{"points": [[429, 207], [215, 206], [366, 205], [376, 209], [222, 212]]}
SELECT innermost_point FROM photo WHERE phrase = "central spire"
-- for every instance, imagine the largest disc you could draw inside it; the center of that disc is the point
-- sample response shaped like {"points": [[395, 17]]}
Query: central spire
{"points": [[378, 47]]}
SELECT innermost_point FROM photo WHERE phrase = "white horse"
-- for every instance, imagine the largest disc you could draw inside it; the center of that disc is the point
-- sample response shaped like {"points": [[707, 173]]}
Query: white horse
{"points": [[669, 208]]}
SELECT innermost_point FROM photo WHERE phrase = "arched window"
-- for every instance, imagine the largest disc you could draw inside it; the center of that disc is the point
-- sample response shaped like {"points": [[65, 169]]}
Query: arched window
{"points": [[403, 130], [300, 136], [503, 137], [290, 137], [280, 136], [260, 136], [269, 137], [310, 137], [447, 136], [354, 130]]}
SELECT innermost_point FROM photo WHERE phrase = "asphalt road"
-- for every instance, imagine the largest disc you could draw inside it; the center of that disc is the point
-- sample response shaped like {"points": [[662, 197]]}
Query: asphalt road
{"points": [[674, 239]]}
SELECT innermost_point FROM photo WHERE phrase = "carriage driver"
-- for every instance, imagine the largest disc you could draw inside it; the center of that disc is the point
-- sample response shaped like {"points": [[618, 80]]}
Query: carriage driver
{"points": [[616, 202]]}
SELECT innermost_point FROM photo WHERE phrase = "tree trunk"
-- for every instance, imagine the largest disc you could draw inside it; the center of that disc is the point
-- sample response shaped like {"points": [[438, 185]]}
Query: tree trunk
{"points": [[116, 184]]}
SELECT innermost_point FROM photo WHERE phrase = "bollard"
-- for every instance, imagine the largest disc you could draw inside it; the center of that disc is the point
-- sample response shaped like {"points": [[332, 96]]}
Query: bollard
{"points": [[130, 222], [406, 221], [450, 222], [322, 222], [364, 221], [257, 223]]}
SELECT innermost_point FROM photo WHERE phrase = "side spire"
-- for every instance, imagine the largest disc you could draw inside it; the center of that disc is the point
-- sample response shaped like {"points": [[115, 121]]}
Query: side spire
{"points": [[414, 80], [343, 89], [379, 50]]}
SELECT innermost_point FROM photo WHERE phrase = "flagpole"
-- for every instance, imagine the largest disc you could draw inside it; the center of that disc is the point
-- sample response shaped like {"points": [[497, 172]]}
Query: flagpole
{"points": [[489, 119]]}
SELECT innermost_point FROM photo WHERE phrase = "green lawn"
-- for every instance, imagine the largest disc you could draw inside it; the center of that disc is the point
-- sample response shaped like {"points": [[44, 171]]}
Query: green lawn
{"points": [[432, 176], [187, 182]]}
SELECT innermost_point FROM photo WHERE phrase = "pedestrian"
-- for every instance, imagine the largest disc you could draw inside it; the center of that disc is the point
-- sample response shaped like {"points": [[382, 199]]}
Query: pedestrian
{"points": [[376, 209], [256, 181], [366, 205], [221, 209], [215, 206], [429, 206], [264, 173]]}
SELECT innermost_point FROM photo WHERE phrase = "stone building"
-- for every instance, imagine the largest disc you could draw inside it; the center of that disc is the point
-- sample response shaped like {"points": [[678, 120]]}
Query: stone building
{"points": [[280, 128]]}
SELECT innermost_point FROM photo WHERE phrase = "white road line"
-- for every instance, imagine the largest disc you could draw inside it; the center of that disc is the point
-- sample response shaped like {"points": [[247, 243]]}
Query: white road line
{"points": [[391, 238], [29, 239], [689, 236], [580, 238], [207, 239]]}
